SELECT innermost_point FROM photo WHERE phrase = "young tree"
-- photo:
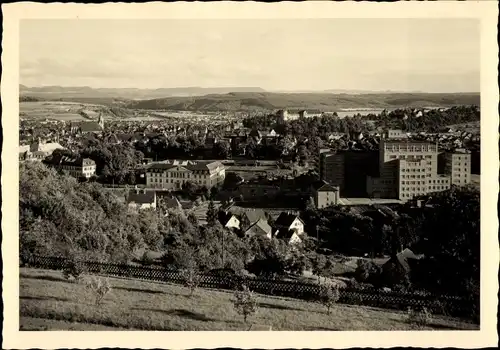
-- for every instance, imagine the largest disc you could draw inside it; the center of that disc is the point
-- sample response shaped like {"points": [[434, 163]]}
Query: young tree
{"points": [[211, 214], [328, 296], [192, 277], [99, 288], [245, 303]]}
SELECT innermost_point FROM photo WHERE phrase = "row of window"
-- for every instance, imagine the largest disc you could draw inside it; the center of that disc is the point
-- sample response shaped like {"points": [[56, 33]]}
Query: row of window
{"points": [[418, 170], [414, 176], [420, 189]]}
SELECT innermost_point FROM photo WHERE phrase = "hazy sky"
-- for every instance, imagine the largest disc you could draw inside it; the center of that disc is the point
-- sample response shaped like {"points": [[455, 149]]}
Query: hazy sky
{"points": [[304, 54]]}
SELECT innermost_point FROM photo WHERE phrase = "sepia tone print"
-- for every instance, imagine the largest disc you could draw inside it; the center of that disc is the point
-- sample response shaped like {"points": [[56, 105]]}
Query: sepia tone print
{"points": [[256, 175]]}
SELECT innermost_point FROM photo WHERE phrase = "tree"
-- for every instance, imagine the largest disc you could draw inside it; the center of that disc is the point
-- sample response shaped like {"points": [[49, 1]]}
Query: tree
{"points": [[99, 288], [328, 296], [192, 277], [211, 214], [244, 302]]}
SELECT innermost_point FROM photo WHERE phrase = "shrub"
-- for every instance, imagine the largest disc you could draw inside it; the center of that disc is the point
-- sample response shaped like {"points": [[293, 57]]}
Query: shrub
{"points": [[418, 318], [74, 270], [245, 303], [99, 287], [328, 296], [192, 278]]}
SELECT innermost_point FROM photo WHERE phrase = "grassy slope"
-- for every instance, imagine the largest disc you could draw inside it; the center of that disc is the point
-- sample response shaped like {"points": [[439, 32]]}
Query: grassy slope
{"points": [[48, 302], [245, 101], [248, 101]]}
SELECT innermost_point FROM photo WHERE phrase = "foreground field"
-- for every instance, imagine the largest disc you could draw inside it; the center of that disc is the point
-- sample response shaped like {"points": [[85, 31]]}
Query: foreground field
{"points": [[48, 302]]}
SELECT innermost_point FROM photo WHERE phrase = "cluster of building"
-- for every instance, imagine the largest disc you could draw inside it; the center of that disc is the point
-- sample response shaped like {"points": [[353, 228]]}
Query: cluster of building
{"points": [[403, 168], [173, 174]]}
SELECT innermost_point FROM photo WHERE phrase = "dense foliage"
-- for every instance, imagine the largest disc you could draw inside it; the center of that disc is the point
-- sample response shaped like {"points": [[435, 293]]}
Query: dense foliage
{"points": [[60, 216]]}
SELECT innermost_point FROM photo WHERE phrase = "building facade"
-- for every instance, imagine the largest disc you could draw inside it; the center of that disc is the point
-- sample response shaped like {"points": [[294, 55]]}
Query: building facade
{"points": [[331, 168], [407, 168], [37, 151], [325, 196], [76, 167], [457, 165], [171, 175]]}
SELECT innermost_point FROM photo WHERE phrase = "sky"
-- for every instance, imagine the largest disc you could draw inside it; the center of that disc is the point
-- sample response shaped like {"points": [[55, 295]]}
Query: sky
{"points": [[429, 55]]}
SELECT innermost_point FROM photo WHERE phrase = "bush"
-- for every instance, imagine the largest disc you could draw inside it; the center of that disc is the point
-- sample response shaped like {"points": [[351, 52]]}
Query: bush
{"points": [[328, 296], [99, 287], [245, 303], [74, 270], [191, 278], [419, 318]]}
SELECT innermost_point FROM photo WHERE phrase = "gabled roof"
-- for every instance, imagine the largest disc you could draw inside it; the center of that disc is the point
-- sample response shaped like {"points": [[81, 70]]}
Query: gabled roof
{"points": [[405, 258], [260, 228], [255, 215], [285, 219], [141, 197], [224, 217], [90, 127], [283, 233], [71, 161], [172, 202], [322, 186]]}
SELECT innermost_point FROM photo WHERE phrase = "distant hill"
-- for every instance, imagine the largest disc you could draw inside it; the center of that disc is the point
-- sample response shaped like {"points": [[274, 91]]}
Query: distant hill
{"points": [[316, 101], [58, 92]]}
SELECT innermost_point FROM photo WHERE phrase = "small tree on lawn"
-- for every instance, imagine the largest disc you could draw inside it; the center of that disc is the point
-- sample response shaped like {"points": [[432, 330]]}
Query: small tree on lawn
{"points": [[192, 278], [418, 318], [245, 303], [328, 296], [99, 287]]}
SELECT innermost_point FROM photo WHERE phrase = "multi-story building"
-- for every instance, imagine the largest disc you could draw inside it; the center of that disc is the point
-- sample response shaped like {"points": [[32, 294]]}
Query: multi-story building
{"points": [[457, 165], [37, 151], [347, 170], [407, 168], [331, 168], [324, 195], [171, 175], [74, 166]]}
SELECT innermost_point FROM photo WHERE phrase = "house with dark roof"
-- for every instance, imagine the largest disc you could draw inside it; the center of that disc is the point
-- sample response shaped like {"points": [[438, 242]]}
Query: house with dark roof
{"points": [[289, 236], [397, 270], [325, 195], [254, 215], [141, 199], [75, 166], [171, 202], [228, 220], [289, 221], [260, 228]]}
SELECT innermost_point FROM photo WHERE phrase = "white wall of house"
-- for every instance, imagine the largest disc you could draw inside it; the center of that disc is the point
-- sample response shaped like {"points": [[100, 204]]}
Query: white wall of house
{"points": [[295, 239], [297, 226], [233, 223]]}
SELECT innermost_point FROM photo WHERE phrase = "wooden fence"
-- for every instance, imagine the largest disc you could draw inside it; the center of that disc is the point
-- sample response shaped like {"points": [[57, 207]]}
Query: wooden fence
{"points": [[437, 304]]}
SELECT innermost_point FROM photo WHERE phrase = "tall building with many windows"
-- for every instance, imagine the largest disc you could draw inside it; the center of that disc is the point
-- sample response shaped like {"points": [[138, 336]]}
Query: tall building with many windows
{"points": [[171, 175], [457, 165], [407, 168]]}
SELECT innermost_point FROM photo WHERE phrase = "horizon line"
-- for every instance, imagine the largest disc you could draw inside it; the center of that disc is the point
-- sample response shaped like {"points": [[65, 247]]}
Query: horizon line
{"points": [[365, 91]]}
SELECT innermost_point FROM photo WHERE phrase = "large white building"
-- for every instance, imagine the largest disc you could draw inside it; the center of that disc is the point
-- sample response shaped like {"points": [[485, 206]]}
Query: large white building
{"points": [[37, 151], [171, 175], [407, 168]]}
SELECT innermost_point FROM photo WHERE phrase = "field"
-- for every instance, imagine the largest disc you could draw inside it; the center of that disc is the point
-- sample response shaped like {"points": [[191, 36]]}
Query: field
{"points": [[48, 302], [56, 110]]}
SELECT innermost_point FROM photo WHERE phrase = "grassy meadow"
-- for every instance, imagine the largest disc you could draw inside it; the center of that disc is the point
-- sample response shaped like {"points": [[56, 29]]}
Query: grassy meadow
{"points": [[49, 302]]}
